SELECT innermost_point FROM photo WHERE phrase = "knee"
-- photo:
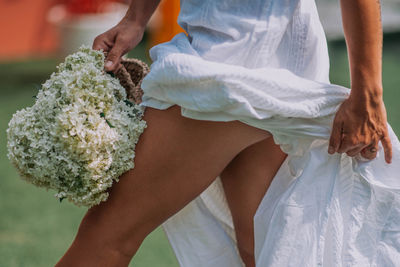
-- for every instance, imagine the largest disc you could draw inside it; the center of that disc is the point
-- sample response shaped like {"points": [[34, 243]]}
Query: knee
{"points": [[96, 233]]}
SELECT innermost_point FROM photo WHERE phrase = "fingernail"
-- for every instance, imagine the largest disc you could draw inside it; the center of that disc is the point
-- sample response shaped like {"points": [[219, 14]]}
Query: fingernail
{"points": [[331, 150], [108, 64]]}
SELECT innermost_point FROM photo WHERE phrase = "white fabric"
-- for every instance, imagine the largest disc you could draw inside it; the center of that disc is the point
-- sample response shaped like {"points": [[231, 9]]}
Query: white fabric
{"points": [[265, 63]]}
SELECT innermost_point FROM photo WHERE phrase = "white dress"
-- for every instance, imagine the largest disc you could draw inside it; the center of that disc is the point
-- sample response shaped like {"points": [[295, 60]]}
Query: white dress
{"points": [[265, 63]]}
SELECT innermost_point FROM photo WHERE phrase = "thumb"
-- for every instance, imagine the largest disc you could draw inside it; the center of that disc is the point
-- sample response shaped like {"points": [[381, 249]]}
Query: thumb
{"points": [[336, 135], [114, 57]]}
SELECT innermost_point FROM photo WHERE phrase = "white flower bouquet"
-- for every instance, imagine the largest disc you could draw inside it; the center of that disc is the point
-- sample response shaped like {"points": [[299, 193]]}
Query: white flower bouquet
{"points": [[80, 134]]}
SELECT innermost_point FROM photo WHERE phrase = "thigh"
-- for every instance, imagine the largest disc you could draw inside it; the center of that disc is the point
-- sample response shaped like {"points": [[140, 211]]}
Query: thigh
{"points": [[246, 180], [176, 159]]}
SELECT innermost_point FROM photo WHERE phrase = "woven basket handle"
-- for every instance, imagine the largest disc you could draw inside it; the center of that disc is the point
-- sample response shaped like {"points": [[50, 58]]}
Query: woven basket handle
{"points": [[130, 76]]}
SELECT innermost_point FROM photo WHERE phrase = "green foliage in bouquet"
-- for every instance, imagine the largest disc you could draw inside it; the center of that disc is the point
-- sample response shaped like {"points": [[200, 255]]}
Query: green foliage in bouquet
{"points": [[80, 134]]}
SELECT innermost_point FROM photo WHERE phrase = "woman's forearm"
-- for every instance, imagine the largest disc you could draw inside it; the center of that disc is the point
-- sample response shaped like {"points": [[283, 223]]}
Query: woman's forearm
{"points": [[140, 11], [363, 32]]}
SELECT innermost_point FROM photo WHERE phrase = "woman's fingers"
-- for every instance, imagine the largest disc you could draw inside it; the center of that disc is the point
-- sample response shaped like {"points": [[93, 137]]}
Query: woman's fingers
{"points": [[354, 151], [387, 147], [115, 54], [103, 42], [348, 145], [115, 46], [370, 151], [99, 44]]}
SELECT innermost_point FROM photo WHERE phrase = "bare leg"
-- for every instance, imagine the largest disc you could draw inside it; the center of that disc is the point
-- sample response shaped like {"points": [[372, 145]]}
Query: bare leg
{"points": [[245, 181], [176, 159]]}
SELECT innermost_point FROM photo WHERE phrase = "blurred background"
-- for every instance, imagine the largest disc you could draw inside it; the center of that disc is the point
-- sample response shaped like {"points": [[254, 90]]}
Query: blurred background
{"points": [[35, 35]]}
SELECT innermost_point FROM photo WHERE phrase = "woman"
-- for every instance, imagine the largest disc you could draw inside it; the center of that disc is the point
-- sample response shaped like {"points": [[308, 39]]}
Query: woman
{"points": [[245, 72]]}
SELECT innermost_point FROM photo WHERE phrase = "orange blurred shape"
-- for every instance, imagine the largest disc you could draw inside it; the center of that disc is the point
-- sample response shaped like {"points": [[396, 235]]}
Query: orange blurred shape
{"points": [[24, 29], [166, 25]]}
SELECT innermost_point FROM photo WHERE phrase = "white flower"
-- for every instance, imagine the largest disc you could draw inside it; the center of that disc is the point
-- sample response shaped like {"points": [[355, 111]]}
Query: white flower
{"points": [[80, 134]]}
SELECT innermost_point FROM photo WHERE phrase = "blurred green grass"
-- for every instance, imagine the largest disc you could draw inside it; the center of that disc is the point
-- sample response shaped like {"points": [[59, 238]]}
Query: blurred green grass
{"points": [[35, 229]]}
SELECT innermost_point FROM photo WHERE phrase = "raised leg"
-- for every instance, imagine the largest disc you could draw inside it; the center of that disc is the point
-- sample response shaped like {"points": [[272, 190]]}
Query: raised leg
{"points": [[176, 159], [245, 181]]}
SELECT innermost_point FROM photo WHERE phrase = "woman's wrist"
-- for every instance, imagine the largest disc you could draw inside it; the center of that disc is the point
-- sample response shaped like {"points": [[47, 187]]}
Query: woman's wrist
{"points": [[131, 26], [140, 11], [366, 85], [132, 21], [366, 97]]}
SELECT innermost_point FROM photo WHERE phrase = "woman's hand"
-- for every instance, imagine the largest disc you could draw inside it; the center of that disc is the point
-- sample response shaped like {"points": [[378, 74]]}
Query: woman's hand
{"points": [[117, 41], [126, 34], [358, 126]]}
